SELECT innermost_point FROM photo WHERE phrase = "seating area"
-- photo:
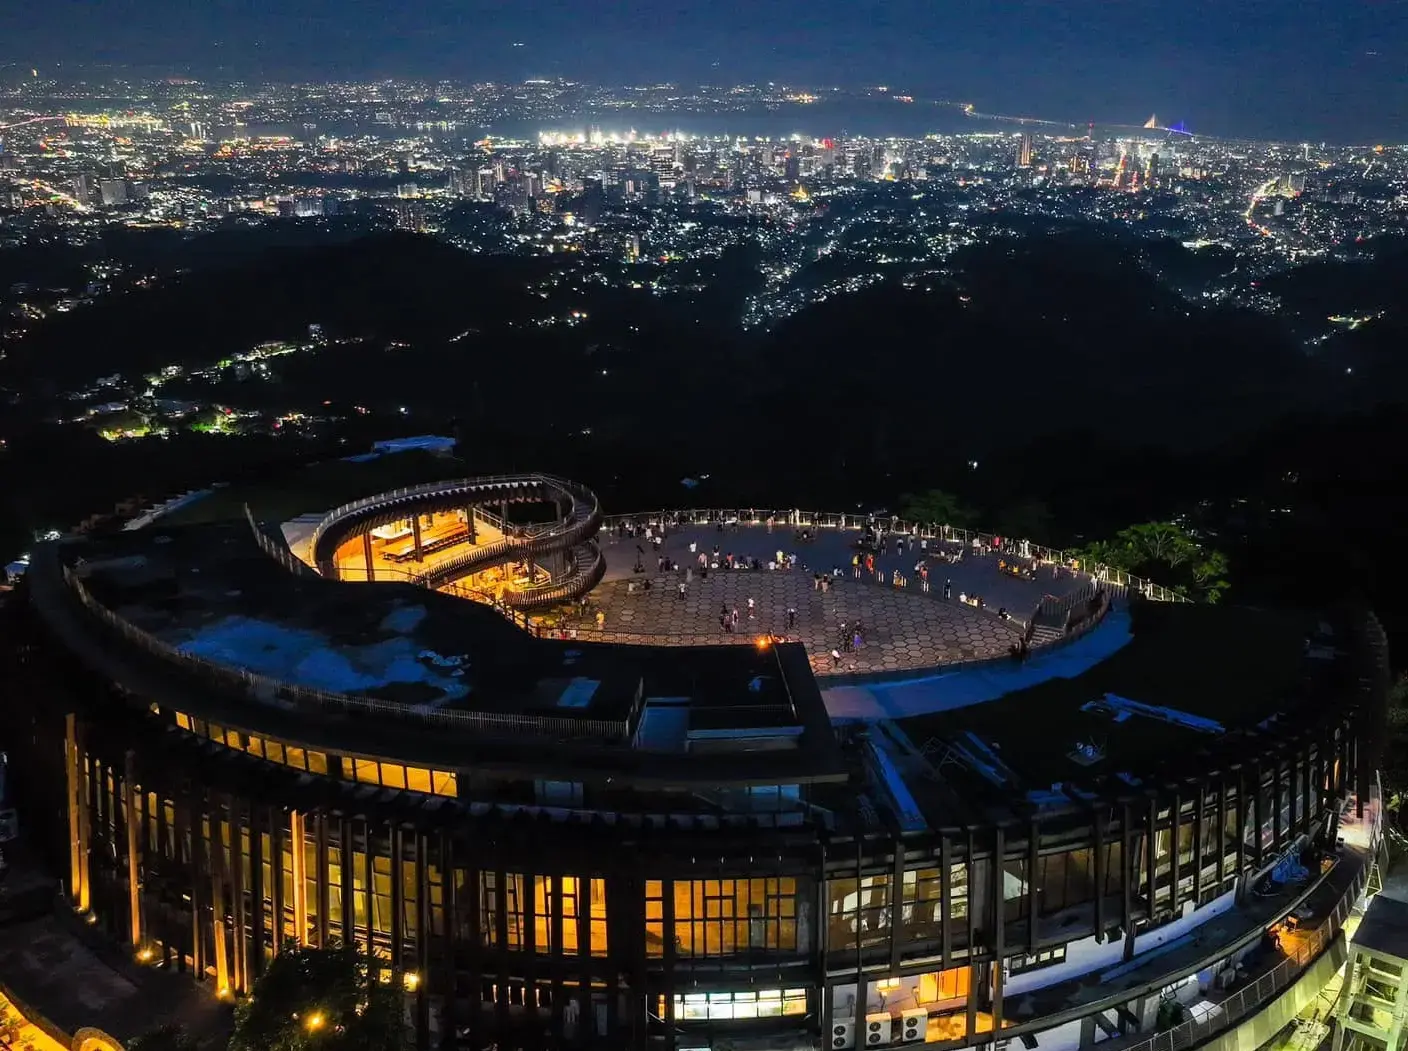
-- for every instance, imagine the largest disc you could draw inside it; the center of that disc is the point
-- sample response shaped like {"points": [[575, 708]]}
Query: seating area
{"points": [[407, 552]]}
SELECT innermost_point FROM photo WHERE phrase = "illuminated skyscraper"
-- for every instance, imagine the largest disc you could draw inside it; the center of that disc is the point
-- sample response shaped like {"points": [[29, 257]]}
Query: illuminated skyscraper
{"points": [[1151, 173], [1024, 152]]}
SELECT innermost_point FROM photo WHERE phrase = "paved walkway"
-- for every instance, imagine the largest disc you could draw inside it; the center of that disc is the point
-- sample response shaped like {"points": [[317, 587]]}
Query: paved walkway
{"points": [[903, 628]]}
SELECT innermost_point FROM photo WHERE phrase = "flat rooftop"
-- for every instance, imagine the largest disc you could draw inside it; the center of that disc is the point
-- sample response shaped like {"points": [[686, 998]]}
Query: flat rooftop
{"points": [[1192, 680], [1384, 928], [209, 592]]}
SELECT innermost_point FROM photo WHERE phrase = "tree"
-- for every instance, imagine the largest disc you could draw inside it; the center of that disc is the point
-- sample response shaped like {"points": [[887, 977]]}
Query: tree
{"points": [[1161, 542], [1165, 553], [936, 507], [12, 1028], [323, 999], [163, 1038]]}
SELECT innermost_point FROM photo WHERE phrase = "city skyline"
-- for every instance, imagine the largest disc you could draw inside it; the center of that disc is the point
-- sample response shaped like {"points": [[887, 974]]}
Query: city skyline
{"points": [[1326, 73]]}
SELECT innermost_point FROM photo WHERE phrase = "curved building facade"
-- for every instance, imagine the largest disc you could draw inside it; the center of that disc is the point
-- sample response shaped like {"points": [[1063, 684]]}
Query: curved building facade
{"points": [[551, 843]]}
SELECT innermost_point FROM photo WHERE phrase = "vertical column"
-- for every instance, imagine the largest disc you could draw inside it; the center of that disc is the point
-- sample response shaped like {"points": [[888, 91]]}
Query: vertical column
{"points": [[1033, 864], [190, 849], [254, 961], [999, 912], [556, 953], [277, 930], [896, 904], [324, 878], [425, 930], [1221, 830], [415, 538], [369, 890], [77, 816], [367, 555], [398, 904], [132, 806], [1241, 825], [1151, 858], [219, 866], [1175, 840], [1258, 815], [1128, 868], [1276, 822], [1307, 813], [945, 902], [349, 881], [238, 858], [1198, 818], [299, 874], [501, 943], [471, 525], [1097, 820], [449, 972]]}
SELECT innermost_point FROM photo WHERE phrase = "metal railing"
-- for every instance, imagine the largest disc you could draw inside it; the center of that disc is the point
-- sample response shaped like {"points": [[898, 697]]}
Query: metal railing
{"points": [[280, 553], [1251, 997], [1117, 581], [276, 693], [584, 503]]}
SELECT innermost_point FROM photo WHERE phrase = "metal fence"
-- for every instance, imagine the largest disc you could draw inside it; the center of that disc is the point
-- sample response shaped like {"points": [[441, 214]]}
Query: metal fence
{"points": [[395, 496], [1254, 995], [1116, 581], [274, 693], [275, 550]]}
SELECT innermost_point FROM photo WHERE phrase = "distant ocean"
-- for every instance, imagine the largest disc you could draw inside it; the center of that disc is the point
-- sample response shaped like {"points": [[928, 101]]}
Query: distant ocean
{"points": [[878, 118]]}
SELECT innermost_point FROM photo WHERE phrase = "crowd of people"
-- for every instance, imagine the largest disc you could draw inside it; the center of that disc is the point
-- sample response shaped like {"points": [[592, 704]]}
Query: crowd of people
{"points": [[876, 541]]}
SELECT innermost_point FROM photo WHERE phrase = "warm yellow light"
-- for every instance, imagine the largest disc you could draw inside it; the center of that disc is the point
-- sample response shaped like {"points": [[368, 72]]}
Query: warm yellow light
{"points": [[763, 642], [315, 1020], [412, 981], [145, 954], [223, 992]]}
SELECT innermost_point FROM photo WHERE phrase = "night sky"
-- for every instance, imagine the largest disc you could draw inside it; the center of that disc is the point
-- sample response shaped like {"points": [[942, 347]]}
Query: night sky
{"points": [[1321, 69]]}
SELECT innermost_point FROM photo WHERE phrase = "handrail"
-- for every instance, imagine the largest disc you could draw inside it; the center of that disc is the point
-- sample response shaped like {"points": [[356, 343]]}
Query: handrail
{"points": [[280, 553], [1252, 996], [279, 694], [395, 496], [1115, 580]]}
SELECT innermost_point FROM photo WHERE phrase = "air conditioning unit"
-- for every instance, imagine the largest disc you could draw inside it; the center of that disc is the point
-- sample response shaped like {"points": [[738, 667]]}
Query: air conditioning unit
{"points": [[843, 1034], [877, 1029], [914, 1024]]}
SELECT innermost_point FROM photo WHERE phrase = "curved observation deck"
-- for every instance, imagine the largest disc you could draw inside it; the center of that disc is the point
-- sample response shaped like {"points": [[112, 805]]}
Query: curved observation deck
{"points": [[564, 542]]}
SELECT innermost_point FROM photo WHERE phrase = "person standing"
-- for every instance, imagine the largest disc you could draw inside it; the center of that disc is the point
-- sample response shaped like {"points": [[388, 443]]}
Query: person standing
{"points": [[791, 617]]}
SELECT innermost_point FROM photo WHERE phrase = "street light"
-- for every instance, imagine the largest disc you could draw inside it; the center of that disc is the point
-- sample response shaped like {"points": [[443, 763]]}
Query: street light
{"points": [[314, 1021]]}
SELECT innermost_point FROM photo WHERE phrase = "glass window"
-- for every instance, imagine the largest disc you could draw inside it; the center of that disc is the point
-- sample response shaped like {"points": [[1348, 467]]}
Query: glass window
{"points": [[723, 917], [654, 918], [922, 901], [365, 771], [859, 911], [510, 891], [393, 775], [765, 1003]]}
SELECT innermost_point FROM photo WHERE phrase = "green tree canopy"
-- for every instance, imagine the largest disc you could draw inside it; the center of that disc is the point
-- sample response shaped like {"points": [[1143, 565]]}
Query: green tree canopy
{"points": [[320, 1000], [1166, 553], [936, 507]]}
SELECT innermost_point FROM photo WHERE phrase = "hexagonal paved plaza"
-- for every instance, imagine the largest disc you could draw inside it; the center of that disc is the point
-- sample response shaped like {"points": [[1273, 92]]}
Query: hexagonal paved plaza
{"points": [[902, 629]]}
